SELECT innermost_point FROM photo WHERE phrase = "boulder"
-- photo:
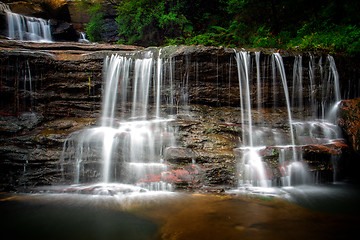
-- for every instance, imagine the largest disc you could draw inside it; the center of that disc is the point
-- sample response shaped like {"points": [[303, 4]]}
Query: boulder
{"points": [[63, 31]]}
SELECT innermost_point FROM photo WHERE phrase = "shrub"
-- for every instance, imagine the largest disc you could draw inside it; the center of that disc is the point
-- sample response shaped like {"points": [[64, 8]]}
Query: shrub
{"points": [[95, 26]]}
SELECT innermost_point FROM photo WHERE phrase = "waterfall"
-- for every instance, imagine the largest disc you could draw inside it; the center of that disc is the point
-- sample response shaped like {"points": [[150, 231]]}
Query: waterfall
{"points": [[243, 64], [83, 37], [258, 80], [253, 170], [4, 7], [136, 131], [336, 90], [297, 91], [27, 28], [280, 65], [288, 142], [129, 143]]}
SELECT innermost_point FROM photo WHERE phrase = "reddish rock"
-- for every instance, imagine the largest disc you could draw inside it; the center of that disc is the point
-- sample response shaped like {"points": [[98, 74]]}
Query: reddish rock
{"points": [[349, 121]]}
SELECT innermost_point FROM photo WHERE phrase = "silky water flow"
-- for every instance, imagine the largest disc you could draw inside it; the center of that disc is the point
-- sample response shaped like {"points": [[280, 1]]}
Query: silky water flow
{"points": [[129, 145], [314, 126], [26, 28]]}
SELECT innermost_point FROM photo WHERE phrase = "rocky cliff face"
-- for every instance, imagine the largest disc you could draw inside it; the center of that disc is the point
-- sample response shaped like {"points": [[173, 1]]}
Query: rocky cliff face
{"points": [[49, 91]]}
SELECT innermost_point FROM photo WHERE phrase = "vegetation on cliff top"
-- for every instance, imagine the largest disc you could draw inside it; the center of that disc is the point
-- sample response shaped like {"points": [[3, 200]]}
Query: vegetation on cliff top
{"points": [[326, 25]]}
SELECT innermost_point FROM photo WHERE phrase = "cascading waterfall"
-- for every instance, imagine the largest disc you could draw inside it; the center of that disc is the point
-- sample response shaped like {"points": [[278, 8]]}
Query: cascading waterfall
{"points": [[135, 127], [25, 28], [129, 144], [257, 136]]}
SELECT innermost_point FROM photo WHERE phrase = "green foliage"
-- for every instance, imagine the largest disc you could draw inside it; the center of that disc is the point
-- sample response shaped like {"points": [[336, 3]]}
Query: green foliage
{"points": [[95, 26], [264, 38], [206, 39], [150, 21], [334, 38], [326, 25], [235, 6]]}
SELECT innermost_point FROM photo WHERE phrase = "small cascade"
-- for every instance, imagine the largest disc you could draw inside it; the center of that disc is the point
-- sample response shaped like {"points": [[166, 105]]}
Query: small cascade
{"points": [[129, 144], [82, 38], [25, 28]]}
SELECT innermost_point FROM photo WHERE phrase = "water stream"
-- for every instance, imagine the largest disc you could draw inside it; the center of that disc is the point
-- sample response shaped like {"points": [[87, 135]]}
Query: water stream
{"points": [[135, 130], [25, 28], [132, 138], [305, 130]]}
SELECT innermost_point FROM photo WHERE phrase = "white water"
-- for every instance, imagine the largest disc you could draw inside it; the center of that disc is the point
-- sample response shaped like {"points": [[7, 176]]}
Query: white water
{"points": [[252, 171], [301, 132], [128, 147], [297, 91], [258, 80], [281, 68], [25, 28], [83, 38], [129, 143], [243, 64]]}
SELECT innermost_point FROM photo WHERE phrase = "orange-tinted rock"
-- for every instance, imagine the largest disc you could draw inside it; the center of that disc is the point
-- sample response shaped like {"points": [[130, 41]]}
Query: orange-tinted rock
{"points": [[349, 121]]}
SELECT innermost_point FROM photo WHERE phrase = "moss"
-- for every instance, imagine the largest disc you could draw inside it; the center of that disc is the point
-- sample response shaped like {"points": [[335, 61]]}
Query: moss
{"points": [[275, 152]]}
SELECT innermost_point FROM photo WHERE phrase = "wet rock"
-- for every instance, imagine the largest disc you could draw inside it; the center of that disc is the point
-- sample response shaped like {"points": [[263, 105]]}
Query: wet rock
{"points": [[30, 120], [111, 34], [55, 133], [12, 153], [220, 175], [319, 160], [336, 148], [26, 120], [349, 121], [215, 156], [179, 155], [184, 177], [9, 124]]}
